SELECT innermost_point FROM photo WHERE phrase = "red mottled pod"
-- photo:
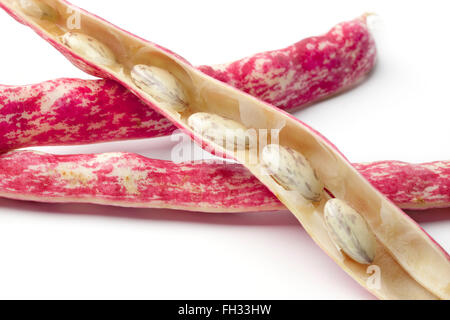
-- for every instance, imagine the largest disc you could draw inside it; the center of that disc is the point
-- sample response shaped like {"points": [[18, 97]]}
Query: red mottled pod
{"points": [[131, 180], [412, 264]]}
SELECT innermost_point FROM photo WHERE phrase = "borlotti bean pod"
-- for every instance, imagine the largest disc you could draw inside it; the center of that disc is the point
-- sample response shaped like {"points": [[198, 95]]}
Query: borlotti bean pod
{"points": [[134, 181]]}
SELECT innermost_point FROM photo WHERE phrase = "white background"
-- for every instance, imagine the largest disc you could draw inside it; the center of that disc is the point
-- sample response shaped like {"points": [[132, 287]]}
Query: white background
{"points": [[84, 251]]}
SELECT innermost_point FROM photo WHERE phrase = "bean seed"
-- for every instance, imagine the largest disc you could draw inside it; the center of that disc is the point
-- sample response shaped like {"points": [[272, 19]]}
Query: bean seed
{"points": [[161, 85], [89, 48], [292, 171], [225, 132], [350, 231]]}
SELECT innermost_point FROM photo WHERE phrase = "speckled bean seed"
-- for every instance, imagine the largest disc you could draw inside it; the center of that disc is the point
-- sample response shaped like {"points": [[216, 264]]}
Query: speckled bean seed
{"points": [[90, 48], [227, 133], [349, 231], [161, 85], [292, 171]]}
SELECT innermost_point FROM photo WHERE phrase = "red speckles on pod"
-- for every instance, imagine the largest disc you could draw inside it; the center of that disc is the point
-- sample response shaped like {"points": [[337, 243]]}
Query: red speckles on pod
{"points": [[307, 71], [72, 111], [130, 180], [411, 186]]}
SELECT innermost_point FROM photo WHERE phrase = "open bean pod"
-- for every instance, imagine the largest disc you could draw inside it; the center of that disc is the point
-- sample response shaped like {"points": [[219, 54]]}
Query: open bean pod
{"points": [[412, 265]]}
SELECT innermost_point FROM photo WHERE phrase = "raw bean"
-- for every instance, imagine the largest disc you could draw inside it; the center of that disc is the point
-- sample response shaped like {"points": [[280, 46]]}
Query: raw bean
{"points": [[349, 231], [38, 10], [426, 276], [90, 48], [197, 186], [225, 132], [292, 171], [161, 85]]}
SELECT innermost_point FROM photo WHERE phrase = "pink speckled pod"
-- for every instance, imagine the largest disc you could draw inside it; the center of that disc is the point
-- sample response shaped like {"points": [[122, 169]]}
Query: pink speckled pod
{"points": [[411, 186], [74, 111], [420, 271], [130, 180]]}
